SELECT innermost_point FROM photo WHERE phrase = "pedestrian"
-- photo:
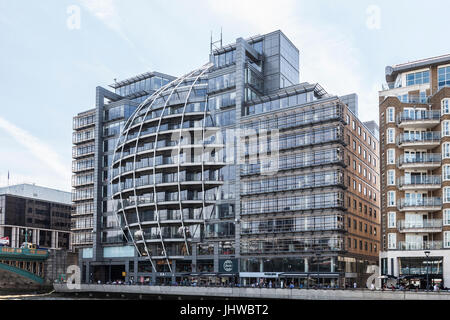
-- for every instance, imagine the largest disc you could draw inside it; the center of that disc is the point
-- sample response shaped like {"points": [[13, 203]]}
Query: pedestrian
{"points": [[354, 285], [372, 287], [270, 284]]}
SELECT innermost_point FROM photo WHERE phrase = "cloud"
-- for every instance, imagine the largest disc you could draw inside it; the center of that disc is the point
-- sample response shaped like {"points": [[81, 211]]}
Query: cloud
{"points": [[39, 150], [107, 12]]}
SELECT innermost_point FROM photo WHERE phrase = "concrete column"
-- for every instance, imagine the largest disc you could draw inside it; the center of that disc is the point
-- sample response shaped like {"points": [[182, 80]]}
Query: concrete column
{"points": [[13, 237], [88, 273], [174, 268], [53, 245], [38, 237], [194, 258], [135, 270], [127, 270], [35, 231], [2, 231], [216, 257], [56, 239]]}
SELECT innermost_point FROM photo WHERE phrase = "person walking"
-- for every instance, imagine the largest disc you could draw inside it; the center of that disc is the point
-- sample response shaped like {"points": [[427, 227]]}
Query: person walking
{"points": [[372, 287], [354, 285]]}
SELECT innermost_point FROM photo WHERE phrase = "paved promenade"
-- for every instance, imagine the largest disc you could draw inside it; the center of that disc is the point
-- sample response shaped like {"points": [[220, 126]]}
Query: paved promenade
{"points": [[255, 293]]}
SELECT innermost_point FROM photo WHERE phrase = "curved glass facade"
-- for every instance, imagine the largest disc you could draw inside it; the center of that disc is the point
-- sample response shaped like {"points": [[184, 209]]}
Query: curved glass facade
{"points": [[165, 170]]}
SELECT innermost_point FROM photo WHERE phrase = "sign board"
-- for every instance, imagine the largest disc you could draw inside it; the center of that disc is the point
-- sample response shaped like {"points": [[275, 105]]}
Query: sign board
{"points": [[4, 241], [228, 265], [124, 274]]}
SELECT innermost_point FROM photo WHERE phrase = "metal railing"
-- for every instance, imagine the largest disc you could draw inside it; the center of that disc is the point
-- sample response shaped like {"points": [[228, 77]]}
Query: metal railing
{"points": [[422, 115], [423, 137], [426, 224], [429, 158], [426, 245], [424, 202], [419, 181]]}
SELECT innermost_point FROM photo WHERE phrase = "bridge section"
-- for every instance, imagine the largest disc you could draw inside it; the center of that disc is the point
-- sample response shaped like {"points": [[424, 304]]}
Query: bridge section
{"points": [[26, 263]]}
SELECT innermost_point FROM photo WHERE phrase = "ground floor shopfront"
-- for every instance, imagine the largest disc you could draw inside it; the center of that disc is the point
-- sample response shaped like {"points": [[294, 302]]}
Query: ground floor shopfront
{"points": [[414, 269], [301, 272]]}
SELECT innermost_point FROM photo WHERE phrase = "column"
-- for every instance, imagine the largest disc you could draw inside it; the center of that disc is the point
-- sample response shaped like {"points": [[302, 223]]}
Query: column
{"points": [[13, 237], [127, 270], [33, 240], [53, 238]]}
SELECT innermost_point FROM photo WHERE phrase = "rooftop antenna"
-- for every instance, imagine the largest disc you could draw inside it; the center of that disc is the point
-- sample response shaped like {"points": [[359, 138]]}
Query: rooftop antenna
{"points": [[218, 44]]}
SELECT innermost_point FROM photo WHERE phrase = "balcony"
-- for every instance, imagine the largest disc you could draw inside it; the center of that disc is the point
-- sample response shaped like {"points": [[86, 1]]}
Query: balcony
{"points": [[419, 183], [427, 226], [424, 204], [419, 119], [424, 140], [425, 161], [426, 245]]}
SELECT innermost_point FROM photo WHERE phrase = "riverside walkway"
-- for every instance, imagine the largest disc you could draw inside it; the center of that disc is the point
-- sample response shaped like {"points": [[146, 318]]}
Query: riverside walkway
{"points": [[252, 293]]}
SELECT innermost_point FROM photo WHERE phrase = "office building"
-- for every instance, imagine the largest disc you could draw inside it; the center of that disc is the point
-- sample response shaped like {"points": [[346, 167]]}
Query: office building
{"points": [[237, 171], [35, 214]]}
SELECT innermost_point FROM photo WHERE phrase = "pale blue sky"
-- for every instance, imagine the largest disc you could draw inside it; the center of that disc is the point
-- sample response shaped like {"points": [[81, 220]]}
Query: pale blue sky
{"points": [[48, 72]]}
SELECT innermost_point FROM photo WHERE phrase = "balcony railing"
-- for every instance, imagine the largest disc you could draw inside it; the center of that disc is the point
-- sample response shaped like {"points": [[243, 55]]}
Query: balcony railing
{"points": [[430, 202], [427, 224], [426, 245], [426, 159], [424, 137], [419, 115], [419, 181]]}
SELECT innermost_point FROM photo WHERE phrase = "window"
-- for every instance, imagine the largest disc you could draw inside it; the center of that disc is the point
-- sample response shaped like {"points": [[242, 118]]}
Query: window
{"points": [[446, 129], [446, 217], [392, 241], [443, 77], [390, 115], [418, 78], [391, 156], [365, 136], [446, 239], [392, 220], [446, 173], [446, 195], [446, 106], [391, 178], [359, 149], [354, 145], [354, 125], [348, 119], [390, 133], [391, 199], [446, 151], [359, 130]]}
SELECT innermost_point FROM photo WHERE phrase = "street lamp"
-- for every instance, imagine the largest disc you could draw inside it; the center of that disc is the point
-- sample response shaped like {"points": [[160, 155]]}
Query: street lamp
{"points": [[427, 254]]}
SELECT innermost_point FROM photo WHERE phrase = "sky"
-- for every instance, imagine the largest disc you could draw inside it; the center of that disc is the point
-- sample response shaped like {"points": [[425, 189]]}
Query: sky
{"points": [[54, 53]]}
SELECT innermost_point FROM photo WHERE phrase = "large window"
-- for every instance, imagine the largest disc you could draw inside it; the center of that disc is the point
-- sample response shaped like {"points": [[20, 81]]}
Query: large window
{"points": [[444, 77], [446, 151], [446, 129], [390, 114], [391, 178], [392, 216], [446, 173], [392, 240], [446, 195], [391, 156], [446, 217], [391, 199], [446, 239], [390, 135], [446, 106], [418, 78]]}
